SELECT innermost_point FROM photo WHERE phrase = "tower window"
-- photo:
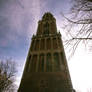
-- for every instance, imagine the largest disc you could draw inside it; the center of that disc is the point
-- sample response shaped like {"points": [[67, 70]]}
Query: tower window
{"points": [[56, 62], [59, 42], [48, 63], [46, 28], [48, 43], [62, 58], [37, 45], [42, 44], [55, 43], [33, 63], [41, 63]]}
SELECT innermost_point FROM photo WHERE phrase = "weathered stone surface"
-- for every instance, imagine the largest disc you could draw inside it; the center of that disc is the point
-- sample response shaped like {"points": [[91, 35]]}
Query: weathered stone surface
{"points": [[46, 67]]}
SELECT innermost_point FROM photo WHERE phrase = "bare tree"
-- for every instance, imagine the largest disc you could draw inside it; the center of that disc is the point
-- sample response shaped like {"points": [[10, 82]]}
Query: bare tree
{"points": [[7, 75], [79, 24]]}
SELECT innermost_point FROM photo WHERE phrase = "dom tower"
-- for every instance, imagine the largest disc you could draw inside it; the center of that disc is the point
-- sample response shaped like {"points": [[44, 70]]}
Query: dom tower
{"points": [[46, 67]]}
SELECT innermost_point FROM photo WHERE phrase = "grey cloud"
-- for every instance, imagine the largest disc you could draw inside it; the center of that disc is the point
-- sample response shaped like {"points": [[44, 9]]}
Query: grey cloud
{"points": [[18, 18]]}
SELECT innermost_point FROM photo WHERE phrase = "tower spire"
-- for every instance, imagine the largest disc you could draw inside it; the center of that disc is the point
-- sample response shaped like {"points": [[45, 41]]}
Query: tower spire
{"points": [[47, 25]]}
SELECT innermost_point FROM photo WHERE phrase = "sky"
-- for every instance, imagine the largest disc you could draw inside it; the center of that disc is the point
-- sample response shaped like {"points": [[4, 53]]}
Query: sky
{"points": [[18, 22]]}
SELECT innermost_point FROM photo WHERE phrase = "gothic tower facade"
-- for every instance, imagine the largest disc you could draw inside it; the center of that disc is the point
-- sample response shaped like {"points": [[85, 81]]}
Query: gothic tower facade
{"points": [[46, 67]]}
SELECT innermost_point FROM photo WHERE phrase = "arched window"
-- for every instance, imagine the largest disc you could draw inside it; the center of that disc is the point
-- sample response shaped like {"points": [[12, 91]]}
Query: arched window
{"points": [[48, 43], [34, 63], [62, 58], [56, 62], [37, 45], [55, 46], [42, 46], [59, 42], [41, 63], [46, 28], [48, 63]]}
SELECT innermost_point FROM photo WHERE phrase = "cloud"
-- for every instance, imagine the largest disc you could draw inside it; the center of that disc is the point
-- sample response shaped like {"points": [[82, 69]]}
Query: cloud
{"points": [[21, 16], [18, 22]]}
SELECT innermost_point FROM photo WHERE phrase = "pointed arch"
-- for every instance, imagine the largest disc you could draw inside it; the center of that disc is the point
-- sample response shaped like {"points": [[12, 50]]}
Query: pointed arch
{"points": [[56, 62], [46, 28], [48, 63], [41, 63]]}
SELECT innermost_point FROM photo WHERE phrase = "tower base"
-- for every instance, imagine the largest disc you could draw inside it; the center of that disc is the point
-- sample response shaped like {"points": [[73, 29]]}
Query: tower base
{"points": [[45, 82]]}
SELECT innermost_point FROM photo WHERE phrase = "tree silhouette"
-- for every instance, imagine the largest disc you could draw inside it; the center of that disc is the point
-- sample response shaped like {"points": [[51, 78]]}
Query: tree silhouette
{"points": [[79, 25], [7, 75]]}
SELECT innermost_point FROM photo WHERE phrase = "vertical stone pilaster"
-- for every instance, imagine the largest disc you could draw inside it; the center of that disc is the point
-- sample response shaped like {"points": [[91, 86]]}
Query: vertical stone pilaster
{"points": [[40, 44], [45, 43], [60, 61], [57, 42], [51, 43], [30, 66], [44, 62], [32, 45], [52, 57]]}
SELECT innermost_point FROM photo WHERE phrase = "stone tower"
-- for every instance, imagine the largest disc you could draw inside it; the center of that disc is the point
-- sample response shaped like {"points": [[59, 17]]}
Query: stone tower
{"points": [[46, 67]]}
